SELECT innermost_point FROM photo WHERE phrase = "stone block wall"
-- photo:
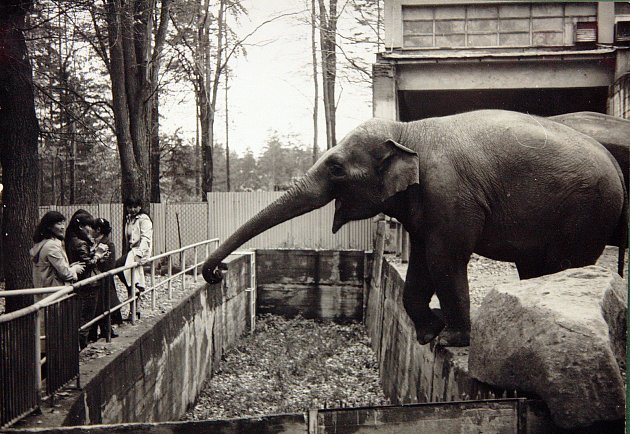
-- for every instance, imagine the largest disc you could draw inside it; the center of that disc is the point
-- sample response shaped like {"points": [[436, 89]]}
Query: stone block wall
{"points": [[324, 284], [161, 374]]}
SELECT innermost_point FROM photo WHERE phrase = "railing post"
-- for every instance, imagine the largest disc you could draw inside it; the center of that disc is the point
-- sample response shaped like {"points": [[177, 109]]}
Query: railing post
{"points": [[133, 307], [170, 275], [196, 259], [153, 294], [38, 356], [182, 261], [252, 292]]}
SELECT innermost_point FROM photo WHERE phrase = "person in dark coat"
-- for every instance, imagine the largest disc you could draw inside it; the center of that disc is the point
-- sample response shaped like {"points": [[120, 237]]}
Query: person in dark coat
{"points": [[80, 248], [102, 231]]}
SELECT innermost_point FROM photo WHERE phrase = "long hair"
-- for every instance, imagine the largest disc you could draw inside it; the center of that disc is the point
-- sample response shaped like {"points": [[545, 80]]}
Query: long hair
{"points": [[80, 218], [44, 227], [133, 201]]}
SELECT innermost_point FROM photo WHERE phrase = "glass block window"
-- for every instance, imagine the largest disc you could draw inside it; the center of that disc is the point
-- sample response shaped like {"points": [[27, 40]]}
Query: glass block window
{"points": [[494, 25]]}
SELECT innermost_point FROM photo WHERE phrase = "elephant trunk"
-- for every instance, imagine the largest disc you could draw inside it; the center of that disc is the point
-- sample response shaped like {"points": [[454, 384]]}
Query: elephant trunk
{"points": [[307, 195]]}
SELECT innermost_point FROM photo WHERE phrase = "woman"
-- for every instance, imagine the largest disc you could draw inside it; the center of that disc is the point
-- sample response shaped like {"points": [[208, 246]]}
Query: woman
{"points": [[50, 262], [102, 231], [80, 248], [138, 241]]}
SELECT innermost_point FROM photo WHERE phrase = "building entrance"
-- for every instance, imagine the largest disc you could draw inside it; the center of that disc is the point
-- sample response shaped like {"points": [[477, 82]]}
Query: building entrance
{"points": [[418, 104]]}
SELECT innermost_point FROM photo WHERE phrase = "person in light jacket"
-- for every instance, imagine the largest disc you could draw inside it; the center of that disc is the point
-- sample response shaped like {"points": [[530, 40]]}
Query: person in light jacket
{"points": [[50, 262], [138, 237]]}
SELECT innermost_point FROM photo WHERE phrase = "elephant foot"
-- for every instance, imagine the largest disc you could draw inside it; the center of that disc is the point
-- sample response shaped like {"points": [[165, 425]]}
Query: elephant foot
{"points": [[429, 329], [453, 338]]}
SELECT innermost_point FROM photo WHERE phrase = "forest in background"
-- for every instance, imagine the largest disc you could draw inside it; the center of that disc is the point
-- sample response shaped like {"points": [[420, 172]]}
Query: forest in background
{"points": [[80, 143], [81, 86]]}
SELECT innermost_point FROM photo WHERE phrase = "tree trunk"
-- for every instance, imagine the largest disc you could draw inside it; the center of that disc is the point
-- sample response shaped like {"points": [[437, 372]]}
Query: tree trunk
{"points": [[155, 150], [227, 136], [134, 67], [328, 31], [131, 179], [315, 81], [19, 130]]}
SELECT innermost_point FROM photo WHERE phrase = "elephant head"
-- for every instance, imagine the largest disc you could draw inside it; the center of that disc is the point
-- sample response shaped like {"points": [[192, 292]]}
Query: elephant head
{"points": [[360, 174]]}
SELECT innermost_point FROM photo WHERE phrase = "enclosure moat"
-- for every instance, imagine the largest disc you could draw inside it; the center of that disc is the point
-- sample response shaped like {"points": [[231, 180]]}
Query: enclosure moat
{"points": [[291, 366]]}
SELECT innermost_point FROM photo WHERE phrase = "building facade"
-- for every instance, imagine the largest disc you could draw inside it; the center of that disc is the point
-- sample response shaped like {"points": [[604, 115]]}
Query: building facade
{"points": [[544, 58]]}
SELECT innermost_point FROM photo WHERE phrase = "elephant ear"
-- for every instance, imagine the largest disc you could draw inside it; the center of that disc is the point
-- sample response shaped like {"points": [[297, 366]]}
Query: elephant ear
{"points": [[398, 166]]}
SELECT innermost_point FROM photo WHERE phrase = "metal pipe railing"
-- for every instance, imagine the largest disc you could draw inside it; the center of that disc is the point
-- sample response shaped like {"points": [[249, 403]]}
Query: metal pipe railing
{"points": [[59, 291], [20, 345]]}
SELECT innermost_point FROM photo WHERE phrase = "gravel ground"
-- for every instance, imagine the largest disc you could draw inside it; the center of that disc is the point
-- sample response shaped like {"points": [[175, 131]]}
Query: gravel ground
{"points": [[290, 366]]}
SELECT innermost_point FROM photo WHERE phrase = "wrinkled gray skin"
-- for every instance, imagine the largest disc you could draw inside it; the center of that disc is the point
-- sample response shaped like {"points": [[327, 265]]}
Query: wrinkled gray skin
{"points": [[610, 131], [509, 186]]}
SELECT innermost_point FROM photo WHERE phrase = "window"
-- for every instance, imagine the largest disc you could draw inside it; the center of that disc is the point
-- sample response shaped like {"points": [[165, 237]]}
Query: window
{"points": [[494, 25]]}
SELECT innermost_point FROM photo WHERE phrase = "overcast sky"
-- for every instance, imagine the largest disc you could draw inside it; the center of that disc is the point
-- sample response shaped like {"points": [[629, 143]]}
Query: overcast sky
{"points": [[272, 87]]}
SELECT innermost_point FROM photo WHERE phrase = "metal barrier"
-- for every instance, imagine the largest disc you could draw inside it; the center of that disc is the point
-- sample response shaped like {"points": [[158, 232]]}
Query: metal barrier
{"points": [[19, 370], [21, 356], [61, 321]]}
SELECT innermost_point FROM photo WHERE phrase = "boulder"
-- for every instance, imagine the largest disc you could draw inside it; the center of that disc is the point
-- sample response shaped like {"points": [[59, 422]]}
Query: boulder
{"points": [[561, 337]]}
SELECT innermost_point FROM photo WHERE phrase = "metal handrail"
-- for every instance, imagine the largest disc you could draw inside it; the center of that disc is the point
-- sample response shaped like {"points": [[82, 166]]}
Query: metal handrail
{"points": [[62, 290], [58, 294]]}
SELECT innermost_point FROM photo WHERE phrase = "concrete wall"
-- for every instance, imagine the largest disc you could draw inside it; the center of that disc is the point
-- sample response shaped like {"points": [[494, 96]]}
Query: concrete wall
{"points": [[159, 375], [325, 284], [411, 372], [514, 415]]}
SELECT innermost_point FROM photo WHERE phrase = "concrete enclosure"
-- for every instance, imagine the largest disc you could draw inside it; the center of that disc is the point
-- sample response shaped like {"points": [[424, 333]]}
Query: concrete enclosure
{"points": [[160, 374]]}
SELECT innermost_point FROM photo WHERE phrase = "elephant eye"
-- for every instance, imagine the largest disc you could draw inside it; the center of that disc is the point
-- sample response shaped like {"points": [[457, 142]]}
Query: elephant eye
{"points": [[336, 170]]}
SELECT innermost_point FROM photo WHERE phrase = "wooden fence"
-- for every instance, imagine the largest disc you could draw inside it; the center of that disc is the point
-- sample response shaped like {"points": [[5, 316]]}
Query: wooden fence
{"points": [[227, 211], [179, 224]]}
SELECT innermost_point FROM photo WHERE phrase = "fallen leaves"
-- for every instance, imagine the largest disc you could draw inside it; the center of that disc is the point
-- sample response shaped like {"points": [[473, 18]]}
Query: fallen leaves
{"points": [[290, 366]]}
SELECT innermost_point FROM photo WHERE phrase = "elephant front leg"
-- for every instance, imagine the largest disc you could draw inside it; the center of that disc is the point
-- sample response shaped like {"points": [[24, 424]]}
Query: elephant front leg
{"points": [[417, 294], [449, 274]]}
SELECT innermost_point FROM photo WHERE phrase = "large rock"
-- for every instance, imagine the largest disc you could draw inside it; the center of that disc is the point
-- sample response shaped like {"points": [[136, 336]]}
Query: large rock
{"points": [[561, 337]]}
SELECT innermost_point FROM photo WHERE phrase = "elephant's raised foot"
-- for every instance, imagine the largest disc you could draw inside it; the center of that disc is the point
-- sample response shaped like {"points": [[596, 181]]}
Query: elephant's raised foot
{"points": [[453, 338], [429, 329]]}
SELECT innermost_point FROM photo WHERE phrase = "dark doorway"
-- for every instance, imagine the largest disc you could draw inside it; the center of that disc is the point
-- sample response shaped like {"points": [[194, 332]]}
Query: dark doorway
{"points": [[416, 105]]}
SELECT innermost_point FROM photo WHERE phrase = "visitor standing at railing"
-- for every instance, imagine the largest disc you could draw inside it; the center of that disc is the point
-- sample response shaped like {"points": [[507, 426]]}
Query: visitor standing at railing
{"points": [[80, 248], [50, 262], [102, 231], [138, 237]]}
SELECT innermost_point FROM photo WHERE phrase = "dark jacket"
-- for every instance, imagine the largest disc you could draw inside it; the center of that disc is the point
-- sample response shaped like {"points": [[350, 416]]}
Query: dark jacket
{"points": [[79, 250], [107, 263], [108, 285]]}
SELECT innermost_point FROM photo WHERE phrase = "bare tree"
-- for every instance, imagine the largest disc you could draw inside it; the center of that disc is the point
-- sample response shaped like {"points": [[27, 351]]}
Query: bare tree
{"points": [[133, 58], [19, 130], [328, 33], [315, 80], [201, 30]]}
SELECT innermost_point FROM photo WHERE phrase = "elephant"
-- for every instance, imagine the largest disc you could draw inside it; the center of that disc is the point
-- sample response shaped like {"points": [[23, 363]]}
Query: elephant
{"points": [[506, 185], [610, 131]]}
